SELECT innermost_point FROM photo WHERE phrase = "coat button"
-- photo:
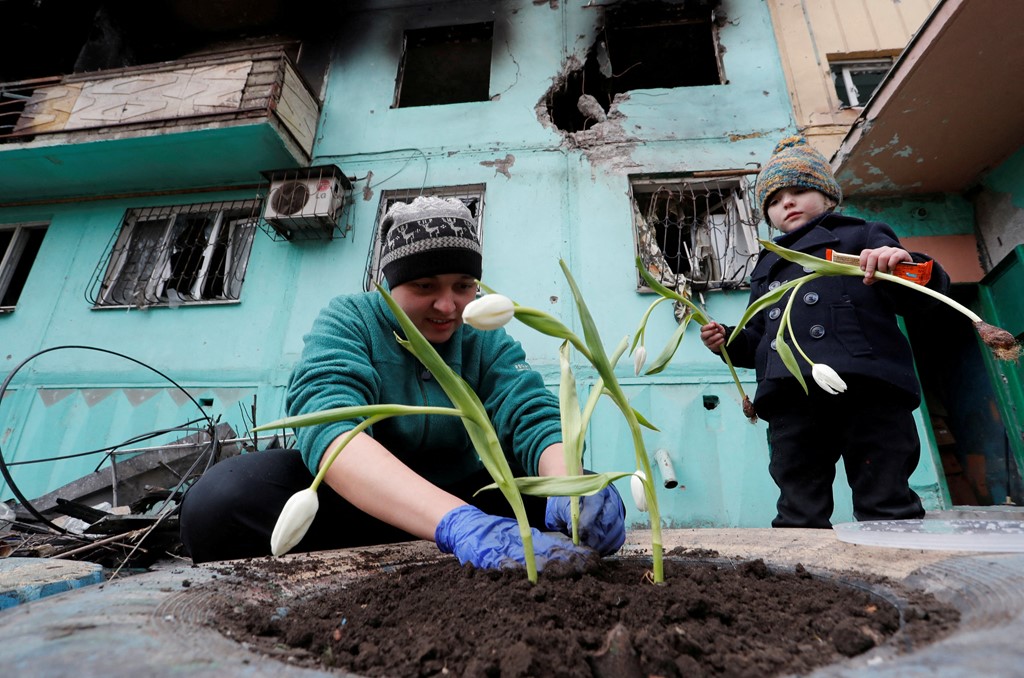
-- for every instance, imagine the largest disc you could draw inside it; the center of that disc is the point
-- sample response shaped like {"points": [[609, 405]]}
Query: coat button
{"points": [[811, 298], [775, 313], [817, 331], [773, 345], [774, 284]]}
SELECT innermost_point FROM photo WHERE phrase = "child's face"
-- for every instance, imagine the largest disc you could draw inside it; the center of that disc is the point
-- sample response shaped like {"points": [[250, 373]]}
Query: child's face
{"points": [[792, 207]]}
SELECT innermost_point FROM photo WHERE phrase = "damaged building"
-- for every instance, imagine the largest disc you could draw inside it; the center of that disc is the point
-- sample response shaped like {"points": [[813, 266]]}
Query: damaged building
{"points": [[183, 186]]}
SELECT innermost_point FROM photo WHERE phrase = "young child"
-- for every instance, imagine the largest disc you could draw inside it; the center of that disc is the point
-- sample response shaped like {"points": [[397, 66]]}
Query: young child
{"points": [[846, 323]]}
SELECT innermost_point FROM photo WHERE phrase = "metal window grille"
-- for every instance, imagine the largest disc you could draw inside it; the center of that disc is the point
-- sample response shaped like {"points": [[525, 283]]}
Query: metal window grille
{"points": [[696, 234], [182, 254], [471, 195], [19, 245]]}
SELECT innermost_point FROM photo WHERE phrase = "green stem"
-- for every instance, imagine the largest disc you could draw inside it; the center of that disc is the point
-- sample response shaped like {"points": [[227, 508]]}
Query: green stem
{"points": [[932, 293], [732, 371]]}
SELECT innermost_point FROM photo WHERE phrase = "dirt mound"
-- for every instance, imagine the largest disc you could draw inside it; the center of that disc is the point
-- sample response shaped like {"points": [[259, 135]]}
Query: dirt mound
{"points": [[709, 618]]}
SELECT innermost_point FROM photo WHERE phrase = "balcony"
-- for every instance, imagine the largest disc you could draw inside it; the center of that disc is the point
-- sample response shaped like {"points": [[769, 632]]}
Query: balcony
{"points": [[199, 123]]}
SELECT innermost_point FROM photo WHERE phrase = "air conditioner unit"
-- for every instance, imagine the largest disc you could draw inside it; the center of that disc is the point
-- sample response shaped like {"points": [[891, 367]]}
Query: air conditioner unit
{"points": [[306, 203]]}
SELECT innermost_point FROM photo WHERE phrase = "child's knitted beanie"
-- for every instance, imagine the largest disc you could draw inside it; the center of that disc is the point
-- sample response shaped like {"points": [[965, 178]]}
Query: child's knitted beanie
{"points": [[431, 236], [795, 162]]}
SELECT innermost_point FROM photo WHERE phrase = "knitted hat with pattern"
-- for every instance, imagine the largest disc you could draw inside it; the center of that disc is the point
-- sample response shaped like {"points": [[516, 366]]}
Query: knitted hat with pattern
{"points": [[430, 236], [795, 162]]}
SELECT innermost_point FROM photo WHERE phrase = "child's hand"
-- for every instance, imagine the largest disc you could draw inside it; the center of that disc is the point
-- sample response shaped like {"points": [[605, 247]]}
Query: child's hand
{"points": [[882, 260], [713, 336]]}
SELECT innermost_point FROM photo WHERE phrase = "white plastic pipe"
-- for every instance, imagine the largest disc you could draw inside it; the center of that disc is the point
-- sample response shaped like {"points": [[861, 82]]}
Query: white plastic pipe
{"points": [[668, 472]]}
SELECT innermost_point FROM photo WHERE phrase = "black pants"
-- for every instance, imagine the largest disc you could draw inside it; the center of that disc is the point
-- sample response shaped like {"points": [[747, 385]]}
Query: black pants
{"points": [[872, 430], [230, 512]]}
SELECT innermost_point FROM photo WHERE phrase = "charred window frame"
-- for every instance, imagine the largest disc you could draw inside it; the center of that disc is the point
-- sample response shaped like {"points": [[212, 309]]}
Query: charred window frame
{"points": [[857, 80], [445, 65], [19, 247], [698, 233], [471, 195], [656, 45], [177, 255]]}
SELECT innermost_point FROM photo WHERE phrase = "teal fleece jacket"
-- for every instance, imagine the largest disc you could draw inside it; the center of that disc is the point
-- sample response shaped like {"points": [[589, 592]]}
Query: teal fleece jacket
{"points": [[351, 357]]}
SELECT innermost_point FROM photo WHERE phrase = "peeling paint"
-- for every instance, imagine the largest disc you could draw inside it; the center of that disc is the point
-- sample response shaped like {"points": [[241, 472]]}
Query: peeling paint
{"points": [[501, 166], [367, 191], [905, 153], [743, 137]]}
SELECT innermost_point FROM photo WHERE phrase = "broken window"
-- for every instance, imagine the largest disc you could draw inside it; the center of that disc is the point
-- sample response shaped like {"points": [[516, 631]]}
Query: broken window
{"points": [[644, 45], [185, 254], [445, 65], [19, 246], [856, 81], [695, 232], [472, 196]]}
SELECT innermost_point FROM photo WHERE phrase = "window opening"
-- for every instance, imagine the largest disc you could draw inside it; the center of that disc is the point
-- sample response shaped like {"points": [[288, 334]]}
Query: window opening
{"points": [[856, 81], [644, 45], [697, 233], [183, 254], [19, 247], [472, 196], [445, 65]]}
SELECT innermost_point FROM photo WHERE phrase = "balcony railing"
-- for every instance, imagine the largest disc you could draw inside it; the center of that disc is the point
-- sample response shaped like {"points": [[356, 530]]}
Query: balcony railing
{"points": [[236, 86]]}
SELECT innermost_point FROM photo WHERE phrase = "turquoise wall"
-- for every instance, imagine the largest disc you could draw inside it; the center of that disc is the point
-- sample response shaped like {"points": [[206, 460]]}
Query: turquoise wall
{"points": [[556, 198]]}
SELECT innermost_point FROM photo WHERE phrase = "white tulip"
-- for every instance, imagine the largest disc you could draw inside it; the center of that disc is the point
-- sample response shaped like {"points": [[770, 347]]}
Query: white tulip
{"points": [[639, 358], [489, 312], [636, 484], [295, 519], [828, 379]]}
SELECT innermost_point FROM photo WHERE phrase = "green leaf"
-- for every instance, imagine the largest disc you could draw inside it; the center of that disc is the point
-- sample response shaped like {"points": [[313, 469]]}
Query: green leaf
{"points": [[353, 412], [789, 360], [816, 264], [663, 359], [544, 323], [642, 327], [697, 313], [642, 420], [768, 299], [563, 486], [590, 333], [569, 408]]}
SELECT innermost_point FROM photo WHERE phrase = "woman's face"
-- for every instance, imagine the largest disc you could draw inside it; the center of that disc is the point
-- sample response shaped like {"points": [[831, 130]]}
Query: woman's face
{"points": [[792, 207], [434, 304]]}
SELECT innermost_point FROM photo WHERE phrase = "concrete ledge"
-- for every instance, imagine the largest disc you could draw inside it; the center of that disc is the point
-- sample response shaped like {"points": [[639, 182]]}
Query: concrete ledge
{"points": [[25, 579], [155, 624]]}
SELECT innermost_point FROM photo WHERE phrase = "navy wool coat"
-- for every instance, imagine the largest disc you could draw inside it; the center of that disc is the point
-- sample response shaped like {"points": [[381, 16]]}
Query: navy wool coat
{"points": [[837, 320]]}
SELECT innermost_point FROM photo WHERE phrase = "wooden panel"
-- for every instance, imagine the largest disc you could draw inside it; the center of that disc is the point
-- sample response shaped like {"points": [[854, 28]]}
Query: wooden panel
{"points": [[48, 109], [298, 110]]}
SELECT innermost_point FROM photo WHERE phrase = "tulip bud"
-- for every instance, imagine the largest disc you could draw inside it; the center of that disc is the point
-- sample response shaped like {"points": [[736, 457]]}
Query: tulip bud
{"points": [[295, 519], [828, 379], [639, 358], [489, 312], [636, 485]]}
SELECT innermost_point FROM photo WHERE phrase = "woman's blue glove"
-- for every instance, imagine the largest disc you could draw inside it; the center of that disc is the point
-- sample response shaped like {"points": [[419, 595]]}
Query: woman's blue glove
{"points": [[602, 519], [493, 542]]}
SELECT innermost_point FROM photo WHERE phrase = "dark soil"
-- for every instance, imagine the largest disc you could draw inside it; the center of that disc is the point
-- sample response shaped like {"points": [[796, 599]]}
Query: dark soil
{"points": [[710, 618]]}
